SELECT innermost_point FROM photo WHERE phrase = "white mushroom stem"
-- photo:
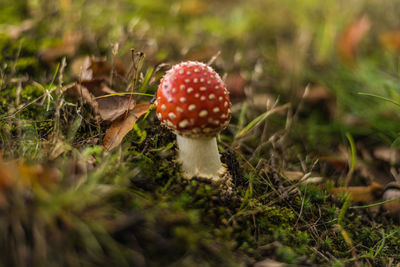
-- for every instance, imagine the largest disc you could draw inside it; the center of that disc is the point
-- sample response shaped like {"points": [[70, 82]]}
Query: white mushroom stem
{"points": [[200, 157]]}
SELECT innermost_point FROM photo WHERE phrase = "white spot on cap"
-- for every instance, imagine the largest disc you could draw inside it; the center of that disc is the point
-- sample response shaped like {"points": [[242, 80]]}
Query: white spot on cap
{"points": [[182, 99], [179, 109], [220, 99], [170, 124], [174, 78], [217, 87], [208, 82], [202, 80], [202, 98], [170, 100], [182, 86], [195, 80], [172, 116], [159, 99], [191, 107], [190, 90], [207, 130], [203, 89], [183, 124], [211, 97], [223, 116], [203, 113], [188, 73], [216, 110], [159, 116], [187, 80], [196, 70], [226, 104], [196, 130], [181, 72], [216, 122], [163, 107], [174, 90], [212, 76]]}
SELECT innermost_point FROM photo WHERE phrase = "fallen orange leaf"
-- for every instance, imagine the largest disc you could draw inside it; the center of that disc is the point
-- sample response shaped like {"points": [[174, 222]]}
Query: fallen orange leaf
{"points": [[121, 127], [109, 108]]}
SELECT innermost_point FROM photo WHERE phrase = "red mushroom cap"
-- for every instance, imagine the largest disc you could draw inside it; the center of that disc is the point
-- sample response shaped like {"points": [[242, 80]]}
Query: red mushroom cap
{"points": [[193, 101]]}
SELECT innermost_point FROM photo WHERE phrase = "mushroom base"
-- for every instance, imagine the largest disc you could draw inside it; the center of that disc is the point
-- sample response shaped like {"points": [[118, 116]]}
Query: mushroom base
{"points": [[200, 157]]}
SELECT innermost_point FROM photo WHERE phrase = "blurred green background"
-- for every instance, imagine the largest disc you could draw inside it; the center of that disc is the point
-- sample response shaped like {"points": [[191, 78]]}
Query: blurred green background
{"points": [[125, 208]]}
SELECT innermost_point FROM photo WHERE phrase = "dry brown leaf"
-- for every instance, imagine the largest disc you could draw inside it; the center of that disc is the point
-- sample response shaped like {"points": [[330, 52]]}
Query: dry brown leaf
{"points": [[361, 193], [351, 37], [121, 127], [97, 87], [391, 40], [112, 107], [109, 108]]}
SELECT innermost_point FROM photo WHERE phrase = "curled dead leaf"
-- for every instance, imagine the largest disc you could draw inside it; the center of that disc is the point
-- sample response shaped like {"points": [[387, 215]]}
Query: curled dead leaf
{"points": [[112, 107], [361, 193], [121, 127], [96, 93]]}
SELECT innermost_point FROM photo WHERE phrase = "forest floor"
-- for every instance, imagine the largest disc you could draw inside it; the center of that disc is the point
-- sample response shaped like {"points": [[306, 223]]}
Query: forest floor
{"points": [[313, 140]]}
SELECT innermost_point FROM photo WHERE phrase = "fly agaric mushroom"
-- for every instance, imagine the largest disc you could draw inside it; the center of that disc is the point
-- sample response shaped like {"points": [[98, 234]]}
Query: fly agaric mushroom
{"points": [[193, 101]]}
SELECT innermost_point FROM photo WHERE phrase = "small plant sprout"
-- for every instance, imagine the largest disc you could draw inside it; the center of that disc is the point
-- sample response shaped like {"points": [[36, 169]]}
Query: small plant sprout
{"points": [[193, 101]]}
